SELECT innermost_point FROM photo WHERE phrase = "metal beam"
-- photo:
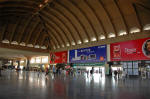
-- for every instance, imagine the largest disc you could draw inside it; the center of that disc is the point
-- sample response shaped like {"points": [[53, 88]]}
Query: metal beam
{"points": [[76, 17], [86, 17], [122, 16], [23, 29], [3, 31], [99, 20], [59, 34], [138, 17], [52, 16], [59, 13], [31, 31], [59, 27], [37, 35], [14, 29], [109, 16]]}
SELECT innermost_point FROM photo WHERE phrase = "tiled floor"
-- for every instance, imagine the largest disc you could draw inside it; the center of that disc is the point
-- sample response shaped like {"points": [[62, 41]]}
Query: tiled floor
{"points": [[27, 85]]}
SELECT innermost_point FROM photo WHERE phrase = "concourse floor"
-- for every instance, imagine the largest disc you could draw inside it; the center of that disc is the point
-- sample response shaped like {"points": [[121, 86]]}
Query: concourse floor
{"points": [[30, 85]]}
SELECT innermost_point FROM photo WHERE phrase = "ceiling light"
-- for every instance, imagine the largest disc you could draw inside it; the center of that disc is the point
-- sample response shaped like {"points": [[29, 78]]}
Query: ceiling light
{"points": [[146, 27], [86, 40], [121, 33], [45, 1], [93, 39], [68, 44], [54, 47], [102, 37], [73, 43], [43, 47], [5, 41], [111, 35], [30, 45], [22, 44], [36, 46], [79, 42], [63, 45], [14, 42], [58, 46], [40, 5], [134, 30]]}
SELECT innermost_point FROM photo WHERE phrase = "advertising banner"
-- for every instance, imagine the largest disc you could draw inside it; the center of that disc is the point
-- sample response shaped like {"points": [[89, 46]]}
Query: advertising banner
{"points": [[58, 57], [130, 50], [88, 55]]}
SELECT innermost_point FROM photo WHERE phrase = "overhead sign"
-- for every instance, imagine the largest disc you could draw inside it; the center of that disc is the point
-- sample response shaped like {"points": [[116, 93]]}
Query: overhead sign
{"points": [[58, 57], [130, 50], [88, 55]]}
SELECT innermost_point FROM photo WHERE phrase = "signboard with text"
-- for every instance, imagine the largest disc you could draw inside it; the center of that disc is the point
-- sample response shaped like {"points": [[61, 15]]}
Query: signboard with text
{"points": [[58, 57], [130, 50], [88, 55]]}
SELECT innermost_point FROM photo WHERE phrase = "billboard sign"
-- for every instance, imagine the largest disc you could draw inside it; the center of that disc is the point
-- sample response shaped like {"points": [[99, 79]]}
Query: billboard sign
{"points": [[58, 57], [88, 55], [130, 50]]}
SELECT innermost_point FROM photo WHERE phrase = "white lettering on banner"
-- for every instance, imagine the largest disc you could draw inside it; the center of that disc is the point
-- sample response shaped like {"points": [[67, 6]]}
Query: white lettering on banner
{"points": [[57, 57], [130, 51], [101, 46], [85, 50]]}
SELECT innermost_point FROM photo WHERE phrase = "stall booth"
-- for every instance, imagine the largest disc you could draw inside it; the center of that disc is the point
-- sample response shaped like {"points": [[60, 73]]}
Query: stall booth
{"points": [[133, 56], [91, 58]]}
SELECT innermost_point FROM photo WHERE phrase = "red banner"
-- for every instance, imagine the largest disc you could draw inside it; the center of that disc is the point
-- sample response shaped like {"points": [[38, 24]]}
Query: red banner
{"points": [[58, 57], [130, 50]]}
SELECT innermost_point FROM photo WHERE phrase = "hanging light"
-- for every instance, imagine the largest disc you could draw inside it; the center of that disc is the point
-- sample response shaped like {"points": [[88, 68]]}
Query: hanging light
{"points": [[22, 44], [14, 42], [5, 41], [111, 35]]}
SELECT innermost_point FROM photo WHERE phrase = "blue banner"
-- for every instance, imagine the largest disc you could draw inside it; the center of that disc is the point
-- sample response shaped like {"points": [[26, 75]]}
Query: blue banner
{"points": [[90, 55]]}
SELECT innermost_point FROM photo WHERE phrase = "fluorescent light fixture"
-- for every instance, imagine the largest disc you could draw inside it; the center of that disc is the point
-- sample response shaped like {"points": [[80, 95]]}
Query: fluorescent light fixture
{"points": [[41, 5], [45, 1], [14, 42], [63, 45], [73, 43], [5, 41], [102, 37], [22, 61], [122, 32], [79, 42], [146, 27], [29, 45], [134, 30], [68, 44], [36, 46], [111, 35], [86, 40], [58, 46], [22, 44], [93, 39], [43, 47]]}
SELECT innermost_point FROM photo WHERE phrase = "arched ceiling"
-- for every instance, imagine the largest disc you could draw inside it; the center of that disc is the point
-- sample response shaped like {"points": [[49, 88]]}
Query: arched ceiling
{"points": [[64, 24]]}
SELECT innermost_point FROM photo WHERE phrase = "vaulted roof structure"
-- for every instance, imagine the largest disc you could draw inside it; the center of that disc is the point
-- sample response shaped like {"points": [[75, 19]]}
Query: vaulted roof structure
{"points": [[67, 24]]}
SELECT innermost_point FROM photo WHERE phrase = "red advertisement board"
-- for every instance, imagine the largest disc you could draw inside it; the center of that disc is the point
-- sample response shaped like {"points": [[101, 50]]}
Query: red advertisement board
{"points": [[58, 57], [130, 50]]}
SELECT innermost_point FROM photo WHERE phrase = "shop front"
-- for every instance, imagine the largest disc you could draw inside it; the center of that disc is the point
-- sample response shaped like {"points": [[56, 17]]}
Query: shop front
{"points": [[98, 68], [131, 56], [86, 59]]}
